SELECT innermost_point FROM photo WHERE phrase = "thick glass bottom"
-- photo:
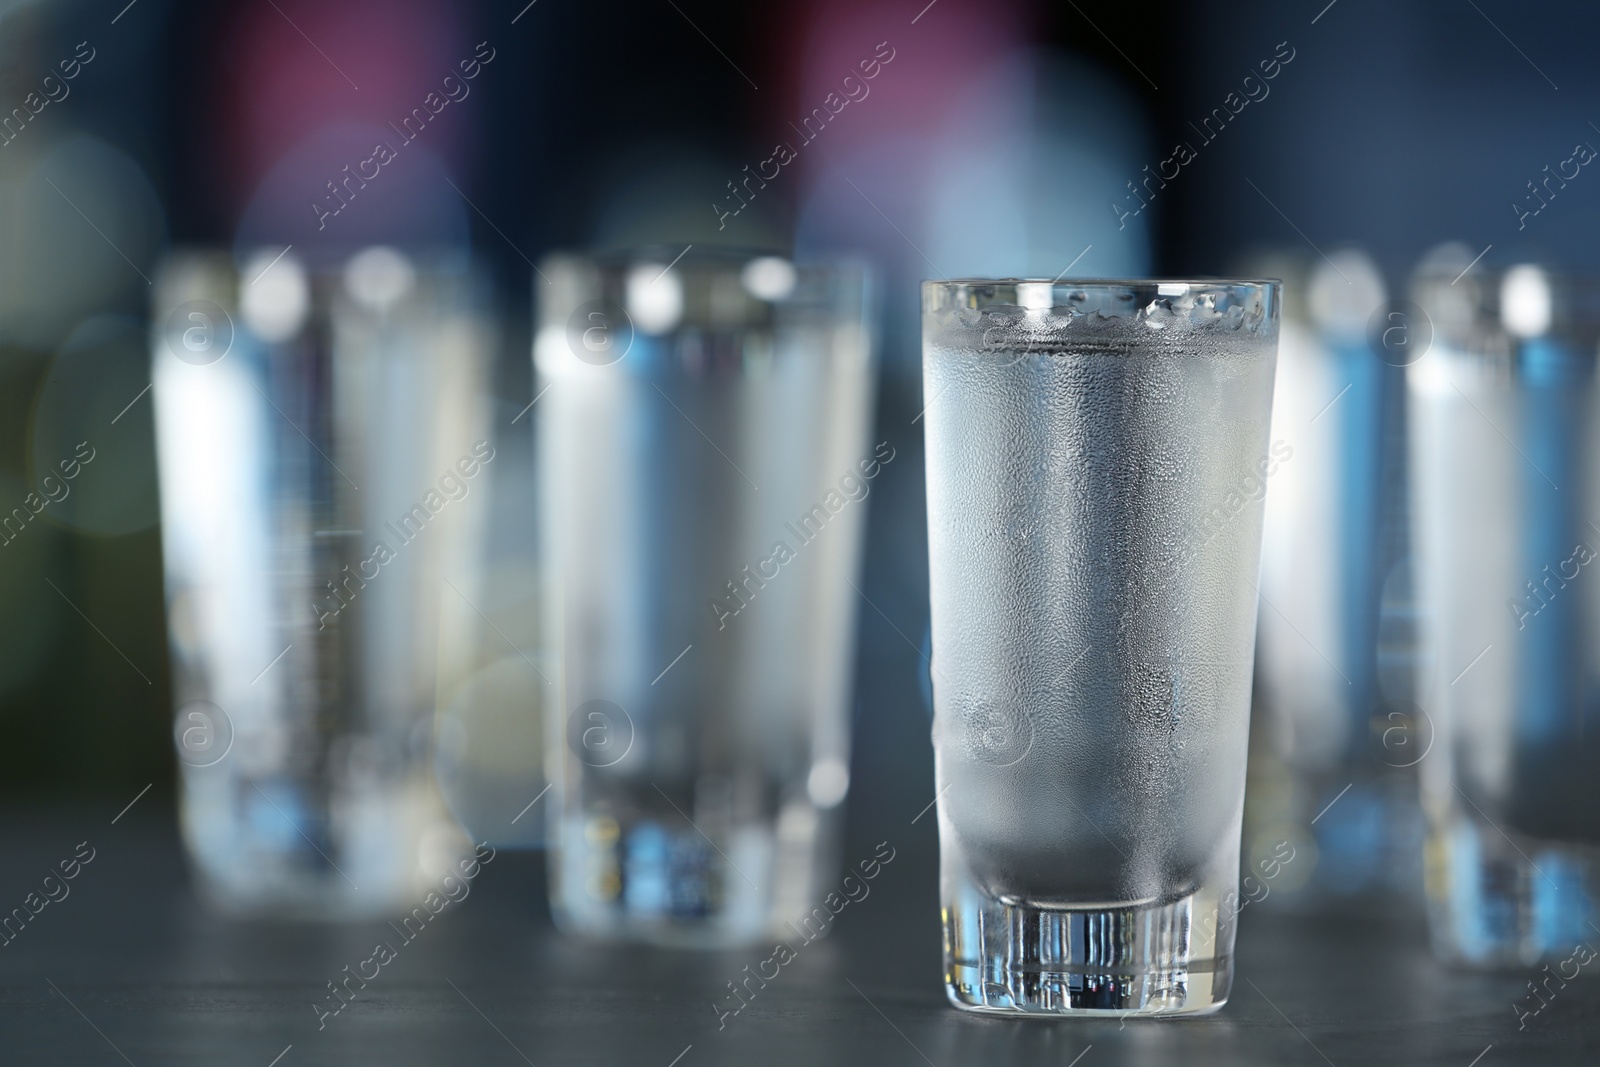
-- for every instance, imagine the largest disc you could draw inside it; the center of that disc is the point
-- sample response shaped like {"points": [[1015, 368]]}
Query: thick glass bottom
{"points": [[276, 849], [1510, 901], [1141, 959], [647, 878]]}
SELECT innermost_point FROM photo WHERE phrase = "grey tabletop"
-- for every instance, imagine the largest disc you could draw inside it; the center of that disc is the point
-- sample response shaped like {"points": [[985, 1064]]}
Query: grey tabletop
{"points": [[129, 968]]}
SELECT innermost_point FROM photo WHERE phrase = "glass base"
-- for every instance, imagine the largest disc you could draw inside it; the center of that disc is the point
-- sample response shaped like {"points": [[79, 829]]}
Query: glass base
{"points": [[273, 849], [1509, 902], [1138, 959], [656, 880]]}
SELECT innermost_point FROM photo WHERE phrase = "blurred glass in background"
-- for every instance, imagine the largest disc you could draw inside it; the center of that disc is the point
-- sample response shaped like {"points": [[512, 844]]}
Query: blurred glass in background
{"points": [[704, 469], [1334, 732], [322, 446], [1503, 411]]}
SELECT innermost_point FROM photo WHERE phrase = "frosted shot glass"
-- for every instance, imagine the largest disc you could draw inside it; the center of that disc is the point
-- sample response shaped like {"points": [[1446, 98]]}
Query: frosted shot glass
{"points": [[322, 451], [1093, 546], [704, 473]]}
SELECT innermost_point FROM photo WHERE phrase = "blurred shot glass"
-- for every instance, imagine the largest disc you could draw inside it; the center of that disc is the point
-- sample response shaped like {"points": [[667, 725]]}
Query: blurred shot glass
{"points": [[1504, 494], [1093, 548], [704, 466], [321, 454], [1333, 738]]}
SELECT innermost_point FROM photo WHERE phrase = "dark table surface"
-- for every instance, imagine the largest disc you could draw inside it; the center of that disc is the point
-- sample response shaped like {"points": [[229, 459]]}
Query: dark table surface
{"points": [[131, 968]]}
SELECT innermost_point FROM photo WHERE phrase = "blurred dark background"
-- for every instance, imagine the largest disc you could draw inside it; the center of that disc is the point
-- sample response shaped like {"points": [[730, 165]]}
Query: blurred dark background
{"points": [[1000, 138]]}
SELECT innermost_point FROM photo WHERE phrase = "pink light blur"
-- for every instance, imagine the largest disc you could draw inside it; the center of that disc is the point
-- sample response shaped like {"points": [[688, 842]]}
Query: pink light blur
{"points": [[371, 60]]}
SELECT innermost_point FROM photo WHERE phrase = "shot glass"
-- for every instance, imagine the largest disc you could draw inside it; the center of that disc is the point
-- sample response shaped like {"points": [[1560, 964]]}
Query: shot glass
{"points": [[704, 469], [1504, 492], [1093, 546], [1333, 746], [321, 452]]}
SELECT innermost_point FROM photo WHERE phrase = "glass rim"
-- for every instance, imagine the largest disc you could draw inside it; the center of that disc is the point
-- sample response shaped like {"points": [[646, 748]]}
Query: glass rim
{"points": [[615, 256], [1109, 283]]}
